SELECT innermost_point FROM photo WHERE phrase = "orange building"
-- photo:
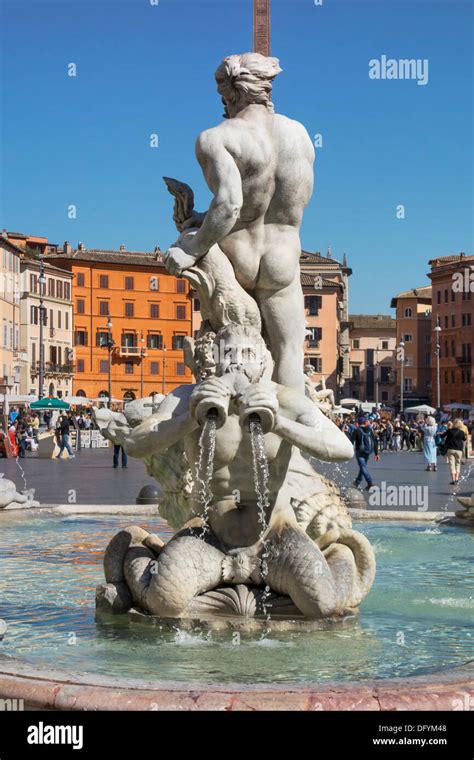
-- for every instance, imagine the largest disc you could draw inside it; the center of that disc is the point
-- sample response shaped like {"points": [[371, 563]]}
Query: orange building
{"points": [[147, 312], [413, 315], [452, 279]]}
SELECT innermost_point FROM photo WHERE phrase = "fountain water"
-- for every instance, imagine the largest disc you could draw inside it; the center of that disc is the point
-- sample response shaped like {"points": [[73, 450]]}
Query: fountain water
{"points": [[260, 477], [205, 466]]}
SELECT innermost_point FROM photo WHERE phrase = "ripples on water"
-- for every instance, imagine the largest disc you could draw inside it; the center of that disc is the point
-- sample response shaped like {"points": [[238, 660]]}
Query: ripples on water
{"points": [[417, 618]]}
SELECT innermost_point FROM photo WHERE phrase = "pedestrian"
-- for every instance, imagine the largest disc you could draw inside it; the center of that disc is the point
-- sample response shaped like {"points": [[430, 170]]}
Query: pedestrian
{"points": [[64, 424], [117, 448], [429, 429], [365, 442], [454, 441], [47, 417]]}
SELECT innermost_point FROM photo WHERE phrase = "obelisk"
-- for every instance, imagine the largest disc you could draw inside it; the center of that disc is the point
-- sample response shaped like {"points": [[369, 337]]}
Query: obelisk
{"points": [[261, 27]]}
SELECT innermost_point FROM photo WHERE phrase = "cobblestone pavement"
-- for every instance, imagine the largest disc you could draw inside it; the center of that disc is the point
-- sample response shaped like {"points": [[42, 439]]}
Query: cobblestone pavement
{"points": [[94, 480]]}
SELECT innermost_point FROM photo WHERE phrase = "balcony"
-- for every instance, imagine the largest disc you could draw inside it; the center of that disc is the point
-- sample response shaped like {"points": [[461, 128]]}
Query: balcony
{"points": [[131, 352], [51, 368]]}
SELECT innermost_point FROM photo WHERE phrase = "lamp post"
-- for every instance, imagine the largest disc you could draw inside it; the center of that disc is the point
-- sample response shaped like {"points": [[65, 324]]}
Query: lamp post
{"points": [[110, 345], [377, 377], [402, 361], [142, 356], [438, 352], [42, 310], [164, 371]]}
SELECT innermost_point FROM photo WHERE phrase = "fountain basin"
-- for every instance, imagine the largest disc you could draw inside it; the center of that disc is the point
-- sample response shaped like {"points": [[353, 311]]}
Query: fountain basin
{"points": [[415, 623]]}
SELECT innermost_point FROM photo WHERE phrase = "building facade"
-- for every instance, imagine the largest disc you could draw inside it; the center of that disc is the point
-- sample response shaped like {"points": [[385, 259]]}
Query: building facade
{"points": [[372, 358], [413, 320], [56, 332], [452, 279], [130, 298], [10, 257], [325, 283]]}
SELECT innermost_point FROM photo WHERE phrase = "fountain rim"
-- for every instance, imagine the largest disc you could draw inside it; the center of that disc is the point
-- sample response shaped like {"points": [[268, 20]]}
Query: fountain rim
{"points": [[53, 689]]}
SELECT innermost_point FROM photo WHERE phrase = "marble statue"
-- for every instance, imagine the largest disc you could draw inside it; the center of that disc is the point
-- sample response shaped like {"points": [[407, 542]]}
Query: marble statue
{"points": [[10, 498], [258, 530], [322, 396]]}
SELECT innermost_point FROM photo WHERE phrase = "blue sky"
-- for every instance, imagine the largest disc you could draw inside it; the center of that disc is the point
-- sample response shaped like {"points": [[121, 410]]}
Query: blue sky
{"points": [[144, 69]]}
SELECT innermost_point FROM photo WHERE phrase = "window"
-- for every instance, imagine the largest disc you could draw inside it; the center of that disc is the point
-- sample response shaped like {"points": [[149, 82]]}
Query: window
{"points": [[315, 362], [181, 286], [80, 279], [51, 288], [80, 365], [196, 304], [104, 366], [181, 312], [466, 319], [59, 319], [80, 305], [154, 340], [129, 309], [180, 368], [51, 320], [427, 360], [101, 339], [407, 313], [453, 295], [154, 368], [154, 283], [313, 304], [446, 377], [385, 374], [407, 384], [445, 296], [408, 338], [129, 340], [33, 354], [104, 281], [453, 320], [80, 338], [446, 321], [67, 291], [104, 308], [129, 283], [446, 348], [427, 338], [453, 348], [385, 345], [384, 395], [438, 294], [154, 311], [59, 289], [129, 368], [356, 343], [178, 342], [67, 320], [453, 376], [33, 316], [33, 283], [355, 372]]}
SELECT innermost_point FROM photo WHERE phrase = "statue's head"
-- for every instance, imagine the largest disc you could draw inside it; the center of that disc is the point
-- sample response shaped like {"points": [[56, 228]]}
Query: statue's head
{"points": [[240, 349], [245, 79]]}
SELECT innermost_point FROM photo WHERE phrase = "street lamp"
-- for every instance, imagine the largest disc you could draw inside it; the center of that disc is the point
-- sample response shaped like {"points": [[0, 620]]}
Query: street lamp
{"points": [[42, 312], [402, 360], [110, 345], [377, 376], [164, 371], [438, 352], [142, 355]]}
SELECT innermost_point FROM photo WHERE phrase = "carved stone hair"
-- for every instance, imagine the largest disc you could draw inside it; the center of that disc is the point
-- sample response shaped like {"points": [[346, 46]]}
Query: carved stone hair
{"points": [[249, 77]]}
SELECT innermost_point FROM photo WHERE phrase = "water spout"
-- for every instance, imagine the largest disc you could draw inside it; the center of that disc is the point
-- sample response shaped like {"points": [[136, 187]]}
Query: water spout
{"points": [[261, 477], [205, 466]]}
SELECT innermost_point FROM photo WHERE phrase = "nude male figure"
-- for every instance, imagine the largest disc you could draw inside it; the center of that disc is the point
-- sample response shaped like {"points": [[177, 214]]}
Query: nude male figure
{"points": [[297, 421], [259, 166]]}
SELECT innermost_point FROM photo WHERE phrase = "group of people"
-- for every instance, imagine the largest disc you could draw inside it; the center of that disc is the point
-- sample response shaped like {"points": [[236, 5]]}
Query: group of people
{"points": [[372, 435], [22, 433]]}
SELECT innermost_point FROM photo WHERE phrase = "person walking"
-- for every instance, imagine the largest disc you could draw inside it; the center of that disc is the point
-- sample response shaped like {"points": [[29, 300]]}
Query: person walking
{"points": [[64, 425], [454, 441], [429, 430], [365, 442], [117, 448]]}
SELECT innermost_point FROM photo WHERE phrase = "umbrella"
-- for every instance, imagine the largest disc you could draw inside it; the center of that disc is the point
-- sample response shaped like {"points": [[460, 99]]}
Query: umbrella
{"points": [[78, 400], [350, 402], [422, 409], [49, 403]]}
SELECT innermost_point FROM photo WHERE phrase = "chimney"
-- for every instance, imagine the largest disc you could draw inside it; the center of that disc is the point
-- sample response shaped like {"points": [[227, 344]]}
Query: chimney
{"points": [[80, 247], [67, 247], [122, 249]]}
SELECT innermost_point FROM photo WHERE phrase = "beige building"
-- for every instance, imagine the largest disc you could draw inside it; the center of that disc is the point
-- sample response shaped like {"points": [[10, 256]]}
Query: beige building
{"points": [[57, 330], [372, 358], [413, 316], [9, 316]]}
